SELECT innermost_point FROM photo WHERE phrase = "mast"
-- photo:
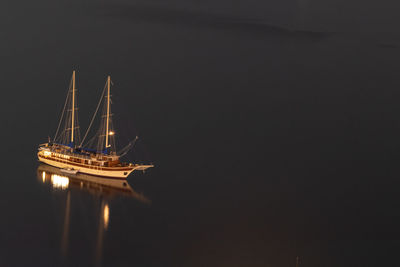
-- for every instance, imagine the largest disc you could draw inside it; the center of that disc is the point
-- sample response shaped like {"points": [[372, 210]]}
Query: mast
{"points": [[73, 107], [108, 108]]}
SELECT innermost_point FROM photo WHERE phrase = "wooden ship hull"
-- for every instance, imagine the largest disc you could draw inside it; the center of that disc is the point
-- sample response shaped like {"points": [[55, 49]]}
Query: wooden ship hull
{"points": [[111, 172]]}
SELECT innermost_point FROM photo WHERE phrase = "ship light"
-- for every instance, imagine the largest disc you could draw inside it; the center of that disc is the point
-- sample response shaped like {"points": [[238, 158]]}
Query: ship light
{"points": [[106, 215], [60, 182], [111, 133], [47, 153], [44, 176]]}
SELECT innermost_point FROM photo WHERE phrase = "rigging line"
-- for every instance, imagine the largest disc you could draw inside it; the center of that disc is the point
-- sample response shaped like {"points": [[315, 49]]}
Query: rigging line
{"points": [[94, 115], [90, 142], [62, 114], [126, 149]]}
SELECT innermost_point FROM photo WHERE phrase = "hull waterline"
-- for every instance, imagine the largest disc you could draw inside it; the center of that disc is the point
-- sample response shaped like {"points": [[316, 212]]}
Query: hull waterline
{"points": [[92, 170]]}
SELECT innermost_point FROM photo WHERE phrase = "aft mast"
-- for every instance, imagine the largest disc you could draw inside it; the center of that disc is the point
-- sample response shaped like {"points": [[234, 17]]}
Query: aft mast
{"points": [[105, 134], [73, 107], [108, 109]]}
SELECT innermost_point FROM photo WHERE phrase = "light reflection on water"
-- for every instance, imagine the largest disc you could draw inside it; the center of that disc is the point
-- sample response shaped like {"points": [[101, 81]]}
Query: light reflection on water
{"points": [[106, 215], [58, 181], [103, 189]]}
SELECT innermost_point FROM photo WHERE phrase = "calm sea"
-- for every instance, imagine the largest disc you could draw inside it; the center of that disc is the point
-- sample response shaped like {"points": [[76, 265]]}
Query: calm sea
{"points": [[270, 142]]}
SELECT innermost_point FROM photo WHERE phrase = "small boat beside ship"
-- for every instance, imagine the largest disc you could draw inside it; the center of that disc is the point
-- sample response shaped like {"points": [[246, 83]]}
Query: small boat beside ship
{"points": [[69, 170], [96, 157]]}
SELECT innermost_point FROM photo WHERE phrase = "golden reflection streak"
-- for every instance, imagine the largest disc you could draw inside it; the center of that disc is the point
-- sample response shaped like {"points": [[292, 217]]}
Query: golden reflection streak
{"points": [[103, 189], [106, 216], [64, 240], [59, 181], [103, 224]]}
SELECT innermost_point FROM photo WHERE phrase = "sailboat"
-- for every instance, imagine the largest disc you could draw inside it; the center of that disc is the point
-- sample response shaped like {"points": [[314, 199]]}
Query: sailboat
{"points": [[69, 153]]}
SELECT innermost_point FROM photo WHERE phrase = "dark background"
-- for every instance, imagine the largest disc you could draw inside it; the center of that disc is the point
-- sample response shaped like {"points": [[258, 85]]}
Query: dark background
{"points": [[274, 127]]}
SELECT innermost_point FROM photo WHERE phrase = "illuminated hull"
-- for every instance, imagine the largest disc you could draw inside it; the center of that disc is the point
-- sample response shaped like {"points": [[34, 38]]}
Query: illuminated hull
{"points": [[110, 172]]}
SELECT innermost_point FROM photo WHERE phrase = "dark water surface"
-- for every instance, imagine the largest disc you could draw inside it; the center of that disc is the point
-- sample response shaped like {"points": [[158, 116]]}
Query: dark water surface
{"points": [[270, 141]]}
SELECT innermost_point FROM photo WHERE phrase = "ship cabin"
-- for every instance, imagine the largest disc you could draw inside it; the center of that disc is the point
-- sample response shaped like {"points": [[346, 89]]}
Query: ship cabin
{"points": [[61, 152]]}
